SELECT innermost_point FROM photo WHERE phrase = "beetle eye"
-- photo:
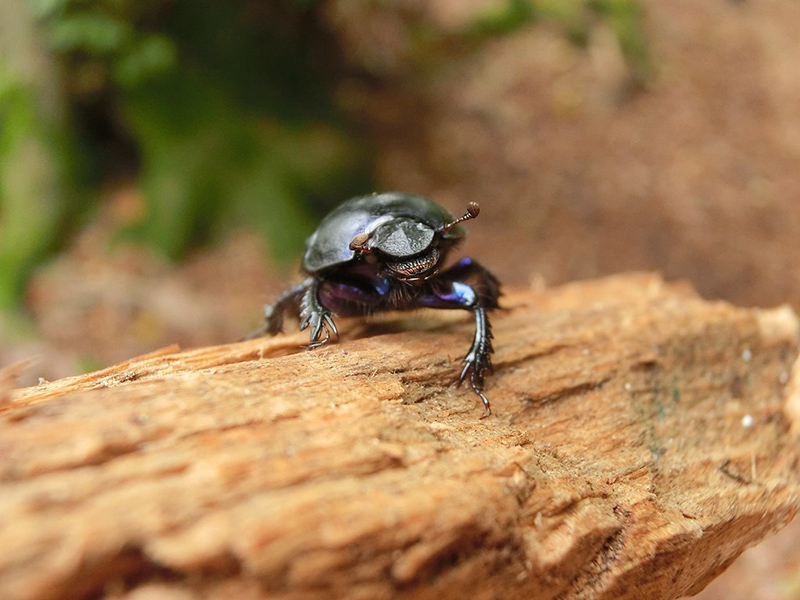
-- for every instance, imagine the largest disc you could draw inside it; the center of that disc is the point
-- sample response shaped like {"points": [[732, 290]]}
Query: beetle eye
{"points": [[359, 242]]}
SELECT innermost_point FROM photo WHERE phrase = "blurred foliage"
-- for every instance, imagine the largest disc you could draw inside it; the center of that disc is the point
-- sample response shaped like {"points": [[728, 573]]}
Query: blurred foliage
{"points": [[220, 111], [222, 146], [37, 162], [577, 18], [231, 122]]}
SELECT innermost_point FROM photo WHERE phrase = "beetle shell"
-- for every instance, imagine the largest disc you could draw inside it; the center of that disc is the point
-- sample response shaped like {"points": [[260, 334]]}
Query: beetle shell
{"points": [[399, 225]]}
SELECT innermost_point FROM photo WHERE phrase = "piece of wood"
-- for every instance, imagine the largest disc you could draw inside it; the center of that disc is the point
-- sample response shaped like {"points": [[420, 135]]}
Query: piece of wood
{"points": [[642, 438]]}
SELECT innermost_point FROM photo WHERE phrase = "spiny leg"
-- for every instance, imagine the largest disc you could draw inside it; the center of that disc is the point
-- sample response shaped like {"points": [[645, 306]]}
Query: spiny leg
{"points": [[450, 290], [314, 315], [486, 288], [273, 313], [478, 361]]}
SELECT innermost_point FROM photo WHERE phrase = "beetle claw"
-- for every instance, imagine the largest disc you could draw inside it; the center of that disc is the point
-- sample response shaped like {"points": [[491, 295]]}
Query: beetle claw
{"points": [[321, 342], [319, 322], [330, 325], [475, 367], [487, 408]]}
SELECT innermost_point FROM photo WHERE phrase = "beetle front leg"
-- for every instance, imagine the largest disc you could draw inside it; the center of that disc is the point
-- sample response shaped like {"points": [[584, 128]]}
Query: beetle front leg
{"points": [[483, 282], [273, 313], [477, 362], [314, 315]]}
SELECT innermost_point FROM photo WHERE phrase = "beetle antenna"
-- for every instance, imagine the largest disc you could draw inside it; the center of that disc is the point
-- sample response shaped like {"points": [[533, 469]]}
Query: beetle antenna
{"points": [[473, 210]]}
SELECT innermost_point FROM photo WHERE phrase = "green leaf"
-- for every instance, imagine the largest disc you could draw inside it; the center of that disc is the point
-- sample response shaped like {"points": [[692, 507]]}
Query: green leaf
{"points": [[43, 9], [208, 165], [152, 56], [33, 171], [93, 32], [505, 17]]}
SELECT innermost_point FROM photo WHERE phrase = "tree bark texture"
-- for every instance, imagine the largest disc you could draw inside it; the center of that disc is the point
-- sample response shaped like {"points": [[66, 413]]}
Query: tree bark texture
{"points": [[642, 439]]}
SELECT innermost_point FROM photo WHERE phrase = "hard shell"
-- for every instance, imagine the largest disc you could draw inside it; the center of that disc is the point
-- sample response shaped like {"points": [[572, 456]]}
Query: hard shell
{"points": [[400, 237], [329, 245]]}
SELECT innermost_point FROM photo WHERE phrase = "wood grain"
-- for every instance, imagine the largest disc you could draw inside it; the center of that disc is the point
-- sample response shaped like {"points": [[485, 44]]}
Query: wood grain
{"points": [[642, 439]]}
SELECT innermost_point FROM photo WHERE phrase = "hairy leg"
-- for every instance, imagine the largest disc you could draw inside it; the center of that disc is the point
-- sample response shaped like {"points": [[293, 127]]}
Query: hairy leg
{"points": [[469, 286], [273, 313]]}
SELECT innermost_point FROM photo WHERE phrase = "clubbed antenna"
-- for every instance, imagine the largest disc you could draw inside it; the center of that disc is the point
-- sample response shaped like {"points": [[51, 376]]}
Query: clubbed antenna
{"points": [[473, 210]]}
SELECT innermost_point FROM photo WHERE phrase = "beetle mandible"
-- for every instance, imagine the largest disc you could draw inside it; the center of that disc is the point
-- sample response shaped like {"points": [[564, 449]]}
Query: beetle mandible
{"points": [[385, 252]]}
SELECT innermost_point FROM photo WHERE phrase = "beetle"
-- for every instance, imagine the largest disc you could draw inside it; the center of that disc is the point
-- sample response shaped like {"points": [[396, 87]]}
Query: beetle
{"points": [[383, 252]]}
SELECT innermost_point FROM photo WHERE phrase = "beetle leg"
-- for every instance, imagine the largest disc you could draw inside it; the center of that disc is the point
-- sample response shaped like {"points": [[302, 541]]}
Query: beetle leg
{"points": [[315, 316], [450, 290], [470, 270], [273, 313], [478, 361]]}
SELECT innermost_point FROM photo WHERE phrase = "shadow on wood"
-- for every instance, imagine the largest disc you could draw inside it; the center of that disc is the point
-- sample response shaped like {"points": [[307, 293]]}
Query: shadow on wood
{"points": [[642, 439]]}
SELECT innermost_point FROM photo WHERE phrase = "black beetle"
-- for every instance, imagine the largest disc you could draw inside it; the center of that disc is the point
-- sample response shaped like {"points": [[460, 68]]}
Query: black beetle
{"points": [[384, 252]]}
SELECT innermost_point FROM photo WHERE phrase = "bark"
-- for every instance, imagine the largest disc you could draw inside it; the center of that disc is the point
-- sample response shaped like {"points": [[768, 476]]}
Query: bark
{"points": [[642, 438]]}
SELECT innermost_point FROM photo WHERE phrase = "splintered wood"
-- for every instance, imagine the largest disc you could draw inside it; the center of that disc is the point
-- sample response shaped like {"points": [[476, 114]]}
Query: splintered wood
{"points": [[642, 439]]}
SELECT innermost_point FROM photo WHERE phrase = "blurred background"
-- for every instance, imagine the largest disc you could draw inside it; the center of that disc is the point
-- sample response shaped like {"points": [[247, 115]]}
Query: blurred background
{"points": [[162, 161]]}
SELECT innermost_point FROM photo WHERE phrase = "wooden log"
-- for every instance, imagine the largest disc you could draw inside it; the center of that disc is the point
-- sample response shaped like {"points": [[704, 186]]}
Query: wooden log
{"points": [[642, 438]]}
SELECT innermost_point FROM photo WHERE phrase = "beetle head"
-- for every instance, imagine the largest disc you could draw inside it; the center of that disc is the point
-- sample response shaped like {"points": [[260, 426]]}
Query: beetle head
{"points": [[405, 247]]}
